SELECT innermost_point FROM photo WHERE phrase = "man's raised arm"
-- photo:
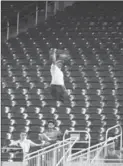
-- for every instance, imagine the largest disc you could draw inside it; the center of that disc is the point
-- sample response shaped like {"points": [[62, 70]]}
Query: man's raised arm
{"points": [[53, 55]]}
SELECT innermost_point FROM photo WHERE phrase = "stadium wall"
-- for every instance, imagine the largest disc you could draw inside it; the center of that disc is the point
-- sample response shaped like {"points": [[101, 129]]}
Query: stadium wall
{"points": [[11, 164]]}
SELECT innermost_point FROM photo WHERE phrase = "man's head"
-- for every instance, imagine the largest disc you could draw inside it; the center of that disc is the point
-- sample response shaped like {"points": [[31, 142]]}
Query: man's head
{"points": [[51, 125], [59, 63], [111, 151], [23, 135]]}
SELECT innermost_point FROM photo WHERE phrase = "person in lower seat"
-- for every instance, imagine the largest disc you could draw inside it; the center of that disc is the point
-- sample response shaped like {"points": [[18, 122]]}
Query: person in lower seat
{"points": [[58, 89], [112, 157], [24, 143], [51, 135]]}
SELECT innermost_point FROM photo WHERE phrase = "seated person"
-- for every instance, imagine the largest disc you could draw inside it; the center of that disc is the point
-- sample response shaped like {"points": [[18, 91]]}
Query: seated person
{"points": [[112, 157], [51, 135]]}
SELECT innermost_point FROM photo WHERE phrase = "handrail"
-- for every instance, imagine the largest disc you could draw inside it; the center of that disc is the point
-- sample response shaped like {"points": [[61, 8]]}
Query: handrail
{"points": [[102, 148], [41, 156], [85, 150], [18, 18], [7, 30], [36, 19], [47, 147], [11, 148], [94, 146], [113, 128]]}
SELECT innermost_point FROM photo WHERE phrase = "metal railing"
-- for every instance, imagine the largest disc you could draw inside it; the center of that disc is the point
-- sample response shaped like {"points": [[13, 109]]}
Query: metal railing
{"points": [[100, 160], [102, 149], [120, 135], [26, 18], [87, 141], [74, 135], [60, 153], [97, 153], [50, 155], [57, 154]]}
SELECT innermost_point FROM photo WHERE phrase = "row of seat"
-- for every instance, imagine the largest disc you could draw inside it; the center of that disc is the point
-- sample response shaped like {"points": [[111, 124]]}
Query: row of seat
{"points": [[34, 90], [73, 96], [20, 117]]}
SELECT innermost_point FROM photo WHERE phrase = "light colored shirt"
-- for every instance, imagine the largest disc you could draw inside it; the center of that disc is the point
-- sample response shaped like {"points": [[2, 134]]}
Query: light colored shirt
{"points": [[25, 144], [57, 75], [52, 134]]}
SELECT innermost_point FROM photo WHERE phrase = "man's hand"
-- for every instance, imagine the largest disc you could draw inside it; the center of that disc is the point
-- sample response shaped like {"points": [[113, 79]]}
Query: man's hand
{"points": [[65, 91], [64, 87], [45, 143], [66, 132]]}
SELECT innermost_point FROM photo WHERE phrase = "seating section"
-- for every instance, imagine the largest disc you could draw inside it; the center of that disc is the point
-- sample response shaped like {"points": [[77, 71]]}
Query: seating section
{"points": [[93, 76]]}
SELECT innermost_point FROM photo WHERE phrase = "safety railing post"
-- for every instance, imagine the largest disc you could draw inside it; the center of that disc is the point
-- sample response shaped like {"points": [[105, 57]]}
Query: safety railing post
{"points": [[55, 7], [7, 37], [46, 10], [36, 17], [18, 20], [120, 135], [54, 157], [38, 160]]}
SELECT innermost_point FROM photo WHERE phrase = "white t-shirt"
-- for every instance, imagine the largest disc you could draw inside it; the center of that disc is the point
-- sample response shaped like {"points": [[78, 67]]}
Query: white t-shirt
{"points": [[57, 75]]}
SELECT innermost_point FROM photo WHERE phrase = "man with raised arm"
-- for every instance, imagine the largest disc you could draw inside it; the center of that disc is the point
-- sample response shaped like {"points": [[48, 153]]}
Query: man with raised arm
{"points": [[58, 89]]}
